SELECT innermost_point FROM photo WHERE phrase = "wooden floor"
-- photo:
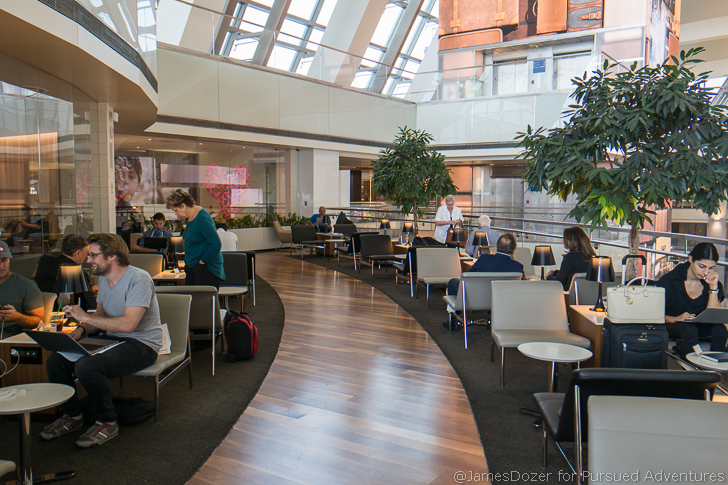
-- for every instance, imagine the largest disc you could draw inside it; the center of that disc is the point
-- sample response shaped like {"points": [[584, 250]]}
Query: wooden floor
{"points": [[358, 393]]}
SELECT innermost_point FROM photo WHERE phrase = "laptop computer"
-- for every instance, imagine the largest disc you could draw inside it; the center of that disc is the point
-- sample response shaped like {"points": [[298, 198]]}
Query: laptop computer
{"points": [[712, 315], [65, 344]]}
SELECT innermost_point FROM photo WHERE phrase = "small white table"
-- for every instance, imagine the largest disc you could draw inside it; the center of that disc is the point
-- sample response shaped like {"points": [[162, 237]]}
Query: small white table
{"points": [[226, 292], [37, 397], [554, 352], [698, 361]]}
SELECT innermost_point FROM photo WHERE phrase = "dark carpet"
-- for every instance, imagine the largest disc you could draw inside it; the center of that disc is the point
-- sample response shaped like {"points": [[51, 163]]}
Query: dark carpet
{"points": [[192, 422], [512, 445]]}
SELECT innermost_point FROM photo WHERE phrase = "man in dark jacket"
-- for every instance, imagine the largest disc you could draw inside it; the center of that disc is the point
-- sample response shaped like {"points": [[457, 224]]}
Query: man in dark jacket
{"points": [[500, 262], [74, 249]]}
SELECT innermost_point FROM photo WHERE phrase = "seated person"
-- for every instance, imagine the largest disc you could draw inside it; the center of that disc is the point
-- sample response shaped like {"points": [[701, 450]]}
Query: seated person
{"points": [[576, 260], [690, 288], [342, 219], [483, 226], [33, 222], [13, 229], [157, 230], [323, 225], [21, 303], [74, 249], [500, 262], [127, 311], [229, 240]]}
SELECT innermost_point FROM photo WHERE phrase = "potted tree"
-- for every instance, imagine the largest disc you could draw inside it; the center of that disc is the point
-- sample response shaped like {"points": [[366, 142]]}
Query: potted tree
{"points": [[634, 141], [409, 174]]}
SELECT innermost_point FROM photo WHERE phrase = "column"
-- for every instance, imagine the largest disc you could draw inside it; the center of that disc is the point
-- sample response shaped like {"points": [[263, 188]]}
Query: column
{"points": [[102, 171]]}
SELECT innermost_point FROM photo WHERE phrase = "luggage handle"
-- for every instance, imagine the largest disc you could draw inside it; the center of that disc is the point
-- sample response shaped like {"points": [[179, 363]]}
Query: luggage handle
{"points": [[628, 285]]}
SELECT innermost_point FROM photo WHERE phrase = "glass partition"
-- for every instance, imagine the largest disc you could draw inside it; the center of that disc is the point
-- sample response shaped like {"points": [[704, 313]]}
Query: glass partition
{"points": [[45, 158], [228, 179]]}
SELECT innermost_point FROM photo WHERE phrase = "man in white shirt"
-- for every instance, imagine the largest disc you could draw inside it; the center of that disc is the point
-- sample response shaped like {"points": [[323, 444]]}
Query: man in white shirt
{"points": [[229, 240], [448, 215]]}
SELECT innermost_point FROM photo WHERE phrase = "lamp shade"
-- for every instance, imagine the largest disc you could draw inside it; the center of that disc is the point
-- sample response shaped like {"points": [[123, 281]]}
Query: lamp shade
{"points": [[480, 239], [70, 279], [176, 244], [600, 269], [384, 224], [458, 235], [543, 256], [408, 227]]}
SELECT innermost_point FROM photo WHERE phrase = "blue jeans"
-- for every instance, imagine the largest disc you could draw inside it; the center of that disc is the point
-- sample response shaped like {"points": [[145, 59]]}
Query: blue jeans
{"points": [[94, 372]]}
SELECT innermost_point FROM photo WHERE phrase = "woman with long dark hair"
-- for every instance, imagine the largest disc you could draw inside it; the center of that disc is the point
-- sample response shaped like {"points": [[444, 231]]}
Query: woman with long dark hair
{"points": [[577, 259], [690, 288]]}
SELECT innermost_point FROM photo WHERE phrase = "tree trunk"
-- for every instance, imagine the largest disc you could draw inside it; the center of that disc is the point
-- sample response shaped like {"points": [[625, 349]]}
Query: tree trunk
{"points": [[634, 246], [414, 208]]}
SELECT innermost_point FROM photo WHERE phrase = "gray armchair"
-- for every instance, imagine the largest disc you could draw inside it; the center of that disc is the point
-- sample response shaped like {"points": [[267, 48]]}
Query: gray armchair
{"points": [[677, 436], [529, 311]]}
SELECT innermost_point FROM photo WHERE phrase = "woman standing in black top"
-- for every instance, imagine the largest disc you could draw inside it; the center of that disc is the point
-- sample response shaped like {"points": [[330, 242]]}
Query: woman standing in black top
{"points": [[690, 288], [577, 259]]}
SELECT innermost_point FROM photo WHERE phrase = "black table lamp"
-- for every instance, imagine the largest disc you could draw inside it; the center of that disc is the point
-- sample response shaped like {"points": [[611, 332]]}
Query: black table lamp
{"points": [[70, 280], [177, 249], [458, 236], [385, 225], [480, 239], [543, 256], [407, 229], [601, 271]]}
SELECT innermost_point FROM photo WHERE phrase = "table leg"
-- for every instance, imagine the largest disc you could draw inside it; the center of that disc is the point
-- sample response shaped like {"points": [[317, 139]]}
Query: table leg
{"points": [[25, 472], [552, 379]]}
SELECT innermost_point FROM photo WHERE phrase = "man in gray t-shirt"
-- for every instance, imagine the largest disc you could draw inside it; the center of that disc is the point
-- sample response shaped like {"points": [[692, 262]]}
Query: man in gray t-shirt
{"points": [[127, 311], [21, 303]]}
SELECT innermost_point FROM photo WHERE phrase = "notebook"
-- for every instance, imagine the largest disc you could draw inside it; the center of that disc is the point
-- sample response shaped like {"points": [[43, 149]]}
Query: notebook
{"points": [[72, 349], [712, 315]]}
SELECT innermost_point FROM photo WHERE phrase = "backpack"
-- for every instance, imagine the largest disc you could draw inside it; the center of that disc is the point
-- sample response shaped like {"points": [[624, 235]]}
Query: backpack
{"points": [[241, 336]]}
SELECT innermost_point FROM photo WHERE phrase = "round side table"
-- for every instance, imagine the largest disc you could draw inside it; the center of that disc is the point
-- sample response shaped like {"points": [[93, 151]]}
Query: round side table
{"points": [[704, 363], [554, 352], [37, 397]]}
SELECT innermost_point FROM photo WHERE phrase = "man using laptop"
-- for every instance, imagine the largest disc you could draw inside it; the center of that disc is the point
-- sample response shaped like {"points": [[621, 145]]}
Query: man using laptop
{"points": [[321, 220], [127, 311], [157, 230]]}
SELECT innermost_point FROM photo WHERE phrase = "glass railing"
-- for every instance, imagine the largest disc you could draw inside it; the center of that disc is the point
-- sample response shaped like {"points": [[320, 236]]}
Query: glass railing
{"points": [[545, 226]]}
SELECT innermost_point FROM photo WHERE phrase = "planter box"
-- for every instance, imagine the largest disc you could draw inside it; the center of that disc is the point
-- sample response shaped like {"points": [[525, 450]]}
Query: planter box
{"points": [[256, 238]]}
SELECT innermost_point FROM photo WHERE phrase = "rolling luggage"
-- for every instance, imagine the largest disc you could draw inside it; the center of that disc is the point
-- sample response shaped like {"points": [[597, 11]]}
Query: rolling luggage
{"points": [[241, 336], [634, 345], [635, 337]]}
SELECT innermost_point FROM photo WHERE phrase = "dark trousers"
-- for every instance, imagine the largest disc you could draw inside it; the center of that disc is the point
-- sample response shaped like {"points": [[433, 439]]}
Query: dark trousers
{"points": [[94, 372], [452, 286], [687, 334], [200, 274]]}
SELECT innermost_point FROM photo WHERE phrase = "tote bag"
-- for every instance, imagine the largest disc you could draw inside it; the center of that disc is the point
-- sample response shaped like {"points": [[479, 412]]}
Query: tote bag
{"points": [[636, 303]]}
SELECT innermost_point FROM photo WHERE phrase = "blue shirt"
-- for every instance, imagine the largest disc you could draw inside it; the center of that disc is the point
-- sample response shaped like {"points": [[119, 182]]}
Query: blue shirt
{"points": [[203, 244]]}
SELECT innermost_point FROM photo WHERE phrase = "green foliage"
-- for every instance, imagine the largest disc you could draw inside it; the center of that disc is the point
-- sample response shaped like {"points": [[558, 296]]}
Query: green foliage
{"points": [[409, 174], [634, 141], [263, 220]]}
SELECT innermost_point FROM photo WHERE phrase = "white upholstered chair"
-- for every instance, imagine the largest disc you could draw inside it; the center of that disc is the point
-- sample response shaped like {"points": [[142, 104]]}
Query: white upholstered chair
{"points": [[174, 310], [436, 266], [474, 295], [529, 311]]}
